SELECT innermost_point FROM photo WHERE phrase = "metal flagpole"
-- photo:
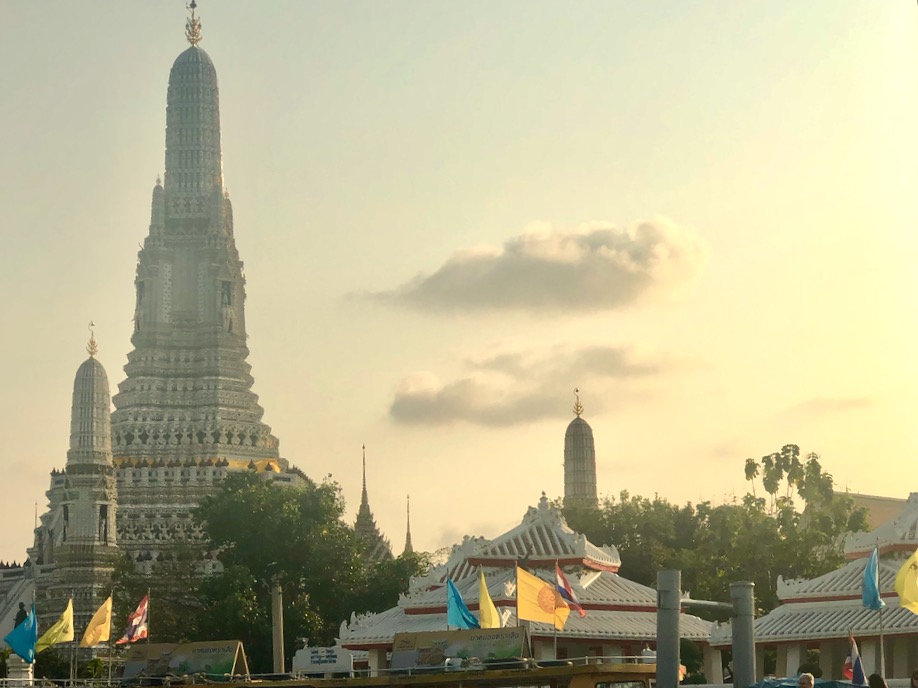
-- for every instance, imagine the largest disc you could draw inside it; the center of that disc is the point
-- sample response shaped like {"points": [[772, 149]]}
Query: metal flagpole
{"points": [[111, 642], [882, 642], [880, 610], [149, 625], [73, 645], [556, 611], [516, 574]]}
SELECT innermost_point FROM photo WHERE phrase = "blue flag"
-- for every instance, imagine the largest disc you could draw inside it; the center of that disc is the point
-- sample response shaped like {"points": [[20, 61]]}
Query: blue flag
{"points": [[22, 639], [870, 590], [457, 614]]}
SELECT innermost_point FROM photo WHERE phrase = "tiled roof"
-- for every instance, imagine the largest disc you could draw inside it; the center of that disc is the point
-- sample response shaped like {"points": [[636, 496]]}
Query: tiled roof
{"points": [[828, 606], [816, 621], [594, 590], [379, 629], [841, 583]]}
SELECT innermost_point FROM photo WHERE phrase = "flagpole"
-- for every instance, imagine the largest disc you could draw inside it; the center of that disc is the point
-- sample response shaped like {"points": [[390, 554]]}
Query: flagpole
{"points": [[556, 612], [149, 626], [882, 651], [516, 574], [73, 644], [111, 644]]}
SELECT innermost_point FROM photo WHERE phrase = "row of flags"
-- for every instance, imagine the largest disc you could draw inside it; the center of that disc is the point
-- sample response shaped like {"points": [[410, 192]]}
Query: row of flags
{"points": [[24, 640], [536, 600]]}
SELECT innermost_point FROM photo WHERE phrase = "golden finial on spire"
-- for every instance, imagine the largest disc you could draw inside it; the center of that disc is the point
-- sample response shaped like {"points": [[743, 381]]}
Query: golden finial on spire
{"points": [[578, 407], [193, 25], [92, 348]]}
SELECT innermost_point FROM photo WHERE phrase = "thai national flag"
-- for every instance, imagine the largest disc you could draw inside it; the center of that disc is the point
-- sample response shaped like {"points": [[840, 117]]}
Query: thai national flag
{"points": [[566, 591], [138, 621], [854, 669]]}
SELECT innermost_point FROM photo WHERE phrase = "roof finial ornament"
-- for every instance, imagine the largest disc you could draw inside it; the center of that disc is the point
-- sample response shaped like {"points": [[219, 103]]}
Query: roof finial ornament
{"points": [[92, 348], [193, 25], [578, 407]]}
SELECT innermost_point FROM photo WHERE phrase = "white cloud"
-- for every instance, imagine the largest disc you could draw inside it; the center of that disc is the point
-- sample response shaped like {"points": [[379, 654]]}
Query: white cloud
{"points": [[597, 267], [498, 390]]}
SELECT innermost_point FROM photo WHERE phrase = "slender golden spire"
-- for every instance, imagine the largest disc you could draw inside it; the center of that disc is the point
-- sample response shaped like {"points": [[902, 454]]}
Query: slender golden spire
{"points": [[578, 407], [193, 25], [92, 348]]}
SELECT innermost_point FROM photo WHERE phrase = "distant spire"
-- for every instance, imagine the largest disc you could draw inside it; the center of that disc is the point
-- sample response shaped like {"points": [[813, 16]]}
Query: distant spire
{"points": [[408, 547], [363, 496], [375, 546], [578, 407], [91, 347], [193, 25]]}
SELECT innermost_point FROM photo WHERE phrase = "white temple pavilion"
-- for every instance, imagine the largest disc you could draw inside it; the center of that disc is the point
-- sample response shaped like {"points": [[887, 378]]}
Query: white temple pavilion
{"points": [[817, 614], [620, 616]]}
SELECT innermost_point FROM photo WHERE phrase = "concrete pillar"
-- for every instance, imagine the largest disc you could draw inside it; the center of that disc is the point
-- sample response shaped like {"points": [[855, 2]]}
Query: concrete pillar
{"points": [[759, 662], [377, 661], [742, 597], [781, 660], [901, 667], [713, 664], [613, 651], [828, 658], [542, 650], [869, 649], [277, 626], [792, 660], [19, 670], [669, 608]]}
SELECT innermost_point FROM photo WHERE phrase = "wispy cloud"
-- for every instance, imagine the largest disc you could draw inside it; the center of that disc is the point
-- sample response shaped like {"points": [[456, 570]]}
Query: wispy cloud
{"points": [[822, 406], [513, 388], [597, 267]]}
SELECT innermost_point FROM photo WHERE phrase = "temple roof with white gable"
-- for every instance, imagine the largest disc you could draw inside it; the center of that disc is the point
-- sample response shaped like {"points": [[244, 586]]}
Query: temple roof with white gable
{"points": [[617, 609], [828, 606], [542, 539]]}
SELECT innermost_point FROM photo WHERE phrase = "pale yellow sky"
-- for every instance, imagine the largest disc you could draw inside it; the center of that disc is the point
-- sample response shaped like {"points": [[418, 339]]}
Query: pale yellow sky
{"points": [[699, 213]]}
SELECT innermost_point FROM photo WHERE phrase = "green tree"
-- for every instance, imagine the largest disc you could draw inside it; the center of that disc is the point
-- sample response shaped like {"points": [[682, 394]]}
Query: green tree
{"points": [[173, 583], [294, 537], [755, 539]]}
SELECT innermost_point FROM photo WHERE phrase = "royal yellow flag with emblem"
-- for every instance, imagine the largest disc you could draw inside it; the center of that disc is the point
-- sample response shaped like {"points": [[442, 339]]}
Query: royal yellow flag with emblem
{"points": [[100, 625], [537, 600], [487, 612], [907, 583], [60, 632]]}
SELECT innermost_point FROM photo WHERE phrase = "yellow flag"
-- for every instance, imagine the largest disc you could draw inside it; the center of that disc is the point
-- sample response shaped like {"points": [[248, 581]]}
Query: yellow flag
{"points": [[907, 583], [60, 632], [487, 612], [537, 600], [100, 625]]}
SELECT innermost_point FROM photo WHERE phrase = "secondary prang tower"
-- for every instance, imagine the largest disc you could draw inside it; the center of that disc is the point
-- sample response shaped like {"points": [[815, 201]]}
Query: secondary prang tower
{"points": [[579, 461], [188, 393]]}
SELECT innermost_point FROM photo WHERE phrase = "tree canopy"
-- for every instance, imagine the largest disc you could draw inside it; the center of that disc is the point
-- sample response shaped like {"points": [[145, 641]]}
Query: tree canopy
{"points": [[755, 538], [292, 536]]}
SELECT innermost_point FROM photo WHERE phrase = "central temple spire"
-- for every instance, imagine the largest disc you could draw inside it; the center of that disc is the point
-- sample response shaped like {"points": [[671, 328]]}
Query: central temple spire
{"points": [[188, 390]]}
